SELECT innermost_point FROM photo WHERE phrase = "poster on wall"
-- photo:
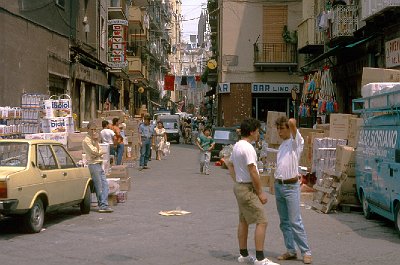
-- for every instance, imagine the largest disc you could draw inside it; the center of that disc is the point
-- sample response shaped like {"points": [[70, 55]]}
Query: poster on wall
{"points": [[117, 38], [392, 53]]}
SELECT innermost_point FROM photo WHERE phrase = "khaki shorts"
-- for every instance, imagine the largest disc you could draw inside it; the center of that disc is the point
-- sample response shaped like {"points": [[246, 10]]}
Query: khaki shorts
{"points": [[251, 210]]}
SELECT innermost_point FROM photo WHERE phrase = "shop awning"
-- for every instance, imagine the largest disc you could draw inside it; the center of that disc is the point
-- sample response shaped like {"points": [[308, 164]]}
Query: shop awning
{"points": [[336, 50]]}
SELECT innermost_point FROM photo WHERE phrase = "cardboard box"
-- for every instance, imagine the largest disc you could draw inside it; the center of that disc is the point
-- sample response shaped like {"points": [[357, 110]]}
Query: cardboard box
{"points": [[349, 185], [375, 75], [339, 125], [120, 171], [112, 200], [125, 184], [354, 131], [272, 137], [346, 160], [75, 141], [113, 185]]}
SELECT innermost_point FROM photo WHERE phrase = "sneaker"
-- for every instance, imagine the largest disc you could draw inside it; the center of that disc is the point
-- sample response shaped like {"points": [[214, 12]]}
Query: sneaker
{"points": [[287, 256], [265, 262], [307, 259], [140, 168], [145, 167], [106, 210], [248, 259]]}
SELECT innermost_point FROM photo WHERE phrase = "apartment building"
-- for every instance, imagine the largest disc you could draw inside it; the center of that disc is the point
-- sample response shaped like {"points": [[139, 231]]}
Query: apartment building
{"points": [[346, 36], [255, 46]]}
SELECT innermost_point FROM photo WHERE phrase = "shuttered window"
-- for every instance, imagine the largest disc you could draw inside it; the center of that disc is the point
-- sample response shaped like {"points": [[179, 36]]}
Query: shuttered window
{"points": [[274, 19], [274, 48]]}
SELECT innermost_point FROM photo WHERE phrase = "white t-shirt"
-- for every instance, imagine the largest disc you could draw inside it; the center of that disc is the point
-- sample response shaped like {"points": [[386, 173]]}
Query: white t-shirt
{"points": [[243, 154], [107, 136], [288, 157]]}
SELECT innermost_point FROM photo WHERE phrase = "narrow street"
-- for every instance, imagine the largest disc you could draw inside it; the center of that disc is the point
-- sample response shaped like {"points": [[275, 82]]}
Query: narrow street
{"points": [[136, 234]]}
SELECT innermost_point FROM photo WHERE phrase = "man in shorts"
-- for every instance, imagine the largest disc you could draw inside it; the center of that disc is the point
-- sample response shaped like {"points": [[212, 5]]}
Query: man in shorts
{"points": [[249, 193]]}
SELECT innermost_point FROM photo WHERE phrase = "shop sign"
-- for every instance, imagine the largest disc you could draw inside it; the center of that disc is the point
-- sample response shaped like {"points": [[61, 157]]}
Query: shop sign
{"points": [[392, 53], [117, 38], [274, 88], [224, 88]]}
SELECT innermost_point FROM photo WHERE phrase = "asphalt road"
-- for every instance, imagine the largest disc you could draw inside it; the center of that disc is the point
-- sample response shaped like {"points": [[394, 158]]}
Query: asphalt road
{"points": [[136, 234]]}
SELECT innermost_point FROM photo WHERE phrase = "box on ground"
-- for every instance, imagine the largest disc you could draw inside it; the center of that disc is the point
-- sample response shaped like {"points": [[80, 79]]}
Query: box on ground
{"points": [[122, 196], [376, 75], [75, 141], [120, 171], [112, 200], [125, 184], [354, 131], [339, 125], [345, 160]]}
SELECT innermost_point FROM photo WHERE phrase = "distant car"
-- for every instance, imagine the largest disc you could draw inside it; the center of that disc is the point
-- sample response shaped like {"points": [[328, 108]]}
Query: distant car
{"points": [[222, 136], [38, 176]]}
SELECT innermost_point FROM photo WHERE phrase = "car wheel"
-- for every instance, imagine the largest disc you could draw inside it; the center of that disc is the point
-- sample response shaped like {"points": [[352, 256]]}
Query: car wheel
{"points": [[85, 204], [366, 210], [34, 218], [397, 217]]}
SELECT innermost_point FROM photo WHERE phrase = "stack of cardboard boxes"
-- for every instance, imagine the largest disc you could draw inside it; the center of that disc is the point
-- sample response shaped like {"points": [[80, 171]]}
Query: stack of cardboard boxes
{"points": [[120, 179]]}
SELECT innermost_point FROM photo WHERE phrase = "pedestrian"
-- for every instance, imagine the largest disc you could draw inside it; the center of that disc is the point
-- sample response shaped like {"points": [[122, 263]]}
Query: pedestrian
{"points": [[160, 139], [91, 147], [118, 141], [317, 121], [205, 143], [107, 136], [287, 190], [249, 193], [146, 140]]}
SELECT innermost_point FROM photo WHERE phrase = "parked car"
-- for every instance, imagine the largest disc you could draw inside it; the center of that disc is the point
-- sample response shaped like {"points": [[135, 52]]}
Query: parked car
{"points": [[38, 176], [222, 136]]}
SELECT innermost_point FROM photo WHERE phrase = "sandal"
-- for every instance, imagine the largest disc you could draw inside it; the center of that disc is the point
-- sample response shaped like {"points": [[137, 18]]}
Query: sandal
{"points": [[287, 256]]}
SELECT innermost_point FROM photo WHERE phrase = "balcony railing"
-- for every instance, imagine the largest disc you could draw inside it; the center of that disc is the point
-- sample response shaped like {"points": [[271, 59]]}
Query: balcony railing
{"points": [[309, 38], [345, 21], [275, 54], [370, 8]]}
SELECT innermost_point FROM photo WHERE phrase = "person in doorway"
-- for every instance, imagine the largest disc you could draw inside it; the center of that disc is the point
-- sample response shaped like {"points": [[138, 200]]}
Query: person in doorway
{"points": [[161, 139], [205, 143], [94, 155], [249, 193], [287, 190], [118, 141], [146, 140], [317, 121], [107, 136]]}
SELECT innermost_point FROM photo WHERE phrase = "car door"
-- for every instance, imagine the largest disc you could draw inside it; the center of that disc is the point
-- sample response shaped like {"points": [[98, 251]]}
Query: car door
{"points": [[73, 183], [50, 172]]}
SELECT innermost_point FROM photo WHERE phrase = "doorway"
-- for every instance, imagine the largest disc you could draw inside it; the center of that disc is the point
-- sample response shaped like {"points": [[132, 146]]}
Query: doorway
{"points": [[261, 106]]}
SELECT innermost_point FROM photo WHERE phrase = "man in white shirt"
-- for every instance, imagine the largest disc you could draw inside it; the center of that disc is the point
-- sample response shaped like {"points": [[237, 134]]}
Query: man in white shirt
{"points": [[107, 136], [287, 190], [249, 193]]}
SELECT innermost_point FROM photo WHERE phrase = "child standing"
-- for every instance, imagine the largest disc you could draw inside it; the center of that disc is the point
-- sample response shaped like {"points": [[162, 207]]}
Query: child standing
{"points": [[206, 143]]}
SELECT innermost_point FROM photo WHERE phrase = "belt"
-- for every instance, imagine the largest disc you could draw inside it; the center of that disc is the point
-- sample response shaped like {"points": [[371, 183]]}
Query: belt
{"points": [[287, 181]]}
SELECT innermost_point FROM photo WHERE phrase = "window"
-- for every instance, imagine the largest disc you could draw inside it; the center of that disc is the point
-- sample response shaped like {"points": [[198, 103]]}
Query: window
{"points": [[63, 157], [103, 33], [60, 3], [45, 158], [13, 154]]}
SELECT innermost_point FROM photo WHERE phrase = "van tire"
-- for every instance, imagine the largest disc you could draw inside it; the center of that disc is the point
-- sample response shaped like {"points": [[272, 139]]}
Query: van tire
{"points": [[397, 217], [366, 210]]}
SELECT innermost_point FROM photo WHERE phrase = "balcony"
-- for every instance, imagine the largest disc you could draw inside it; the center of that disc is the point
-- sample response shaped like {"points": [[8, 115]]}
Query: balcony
{"points": [[135, 18], [117, 9], [275, 55], [136, 69], [345, 22], [373, 8], [310, 40]]}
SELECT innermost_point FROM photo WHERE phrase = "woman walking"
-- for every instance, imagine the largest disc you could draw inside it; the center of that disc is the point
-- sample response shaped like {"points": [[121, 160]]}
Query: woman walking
{"points": [[161, 139]]}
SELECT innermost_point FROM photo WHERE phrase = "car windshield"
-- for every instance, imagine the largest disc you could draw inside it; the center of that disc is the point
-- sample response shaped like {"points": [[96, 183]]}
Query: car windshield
{"points": [[170, 125], [13, 154], [225, 135]]}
